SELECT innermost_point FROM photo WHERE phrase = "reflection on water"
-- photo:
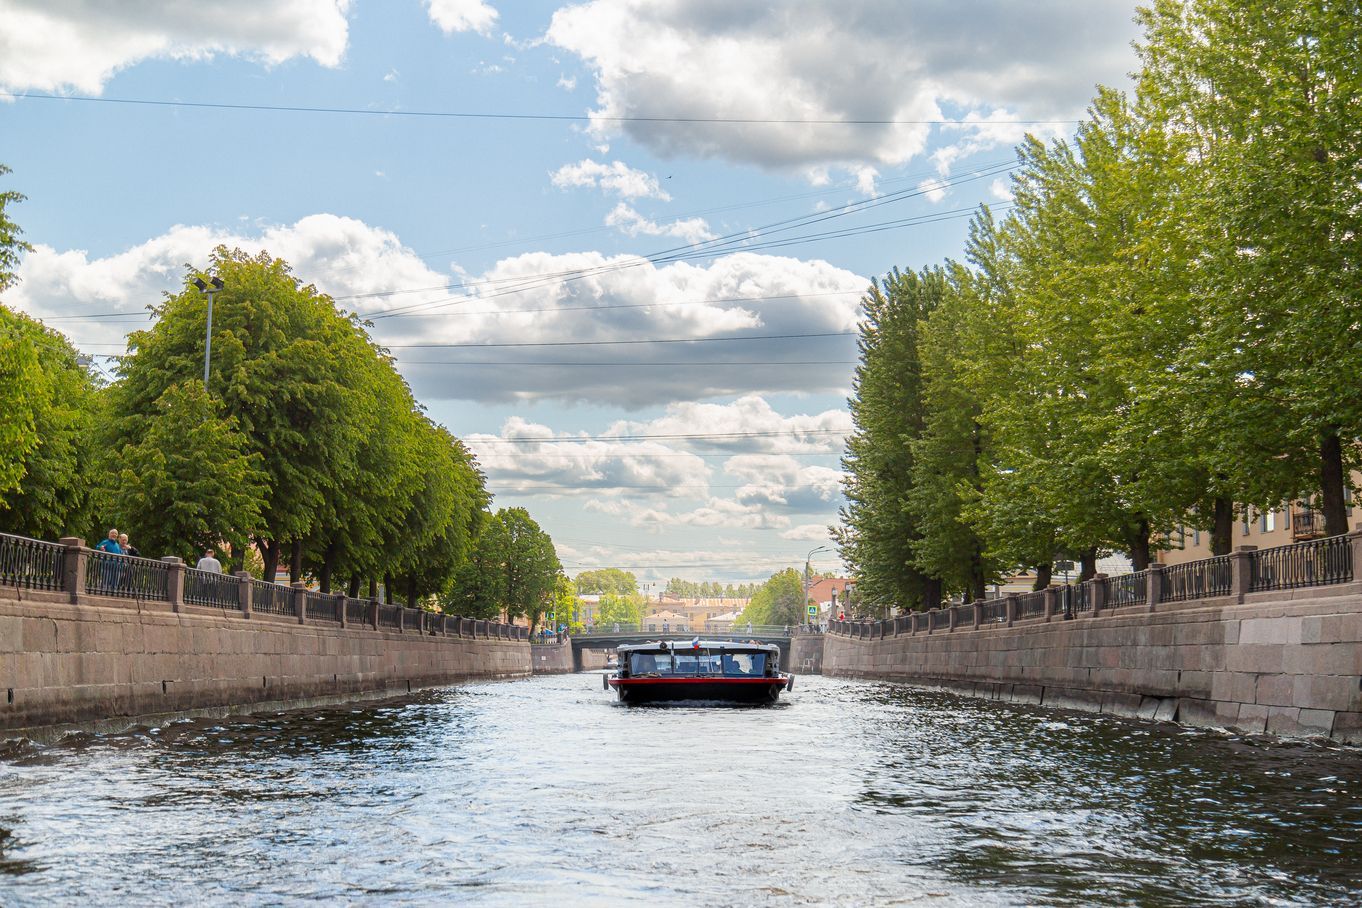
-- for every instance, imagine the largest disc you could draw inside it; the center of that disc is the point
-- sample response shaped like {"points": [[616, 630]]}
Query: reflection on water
{"points": [[546, 791]]}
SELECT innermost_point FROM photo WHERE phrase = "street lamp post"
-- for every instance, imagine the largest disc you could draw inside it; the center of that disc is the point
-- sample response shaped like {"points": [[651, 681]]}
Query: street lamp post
{"points": [[808, 571], [208, 289]]}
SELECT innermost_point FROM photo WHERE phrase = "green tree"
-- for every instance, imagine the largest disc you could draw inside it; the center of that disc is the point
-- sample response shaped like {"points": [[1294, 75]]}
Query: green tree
{"points": [[531, 566], [606, 580], [190, 482], [1274, 103], [48, 409], [877, 533], [564, 604], [779, 601], [479, 586], [621, 608], [11, 244], [283, 367]]}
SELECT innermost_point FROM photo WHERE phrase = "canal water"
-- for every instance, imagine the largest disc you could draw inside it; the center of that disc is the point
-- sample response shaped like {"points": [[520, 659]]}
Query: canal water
{"points": [[546, 792]]}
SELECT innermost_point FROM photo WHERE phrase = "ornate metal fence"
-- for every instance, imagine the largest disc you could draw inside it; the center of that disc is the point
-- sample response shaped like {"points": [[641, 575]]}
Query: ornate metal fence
{"points": [[939, 619], [994, 611], [31, 564], [964, 614], [1319, 562], [1032, 605], [271, 598], [1196, 580], [212, 590], [359, 611], [389, 616], [322, 607], [1127, 589], [126, 577]]}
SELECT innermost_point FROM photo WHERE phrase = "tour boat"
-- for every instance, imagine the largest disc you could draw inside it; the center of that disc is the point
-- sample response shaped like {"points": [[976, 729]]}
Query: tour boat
{"points": [[699, 670]]}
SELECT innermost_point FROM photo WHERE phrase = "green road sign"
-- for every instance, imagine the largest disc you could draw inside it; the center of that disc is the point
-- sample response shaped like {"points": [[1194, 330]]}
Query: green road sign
{"points": [[813, 610]]}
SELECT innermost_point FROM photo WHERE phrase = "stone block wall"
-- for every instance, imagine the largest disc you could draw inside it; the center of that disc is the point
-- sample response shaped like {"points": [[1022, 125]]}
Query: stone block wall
{"points": [[107, 658], [551, 658], [806, 654], [1286, 664]]}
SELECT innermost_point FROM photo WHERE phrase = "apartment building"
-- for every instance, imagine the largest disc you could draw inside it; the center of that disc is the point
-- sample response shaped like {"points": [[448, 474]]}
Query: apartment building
{"points": [[1294, 521]]}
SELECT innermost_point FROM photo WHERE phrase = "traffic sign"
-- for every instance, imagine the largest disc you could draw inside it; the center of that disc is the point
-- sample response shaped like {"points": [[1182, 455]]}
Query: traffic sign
{"points": [[813, 610]]}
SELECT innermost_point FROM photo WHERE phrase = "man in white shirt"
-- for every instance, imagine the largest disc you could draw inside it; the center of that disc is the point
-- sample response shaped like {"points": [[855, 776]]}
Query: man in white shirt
{"points": [[209, 563]]}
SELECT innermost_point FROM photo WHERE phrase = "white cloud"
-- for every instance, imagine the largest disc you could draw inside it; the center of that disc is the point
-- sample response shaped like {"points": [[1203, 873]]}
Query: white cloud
{"points": [[934, 189], [531, 298], [462, 16], [626, 219], [1000, 191], [527, 457], [852, 60], [567, 83], [748, 423], [616, 177], [60, 46], [811, 532]]}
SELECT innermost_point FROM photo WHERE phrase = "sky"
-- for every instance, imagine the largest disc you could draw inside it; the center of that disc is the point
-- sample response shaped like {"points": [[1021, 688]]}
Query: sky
{"points": [[618, 246]]}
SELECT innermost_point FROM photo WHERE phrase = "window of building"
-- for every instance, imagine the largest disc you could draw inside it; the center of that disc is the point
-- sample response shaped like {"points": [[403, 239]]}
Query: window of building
{"points": [[1246, 522], [1196, 537], [1269, 521], [1182, 536]]}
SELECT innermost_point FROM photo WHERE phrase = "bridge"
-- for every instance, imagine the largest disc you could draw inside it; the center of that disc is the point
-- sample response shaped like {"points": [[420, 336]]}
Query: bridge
{"points": [[610, 636]]}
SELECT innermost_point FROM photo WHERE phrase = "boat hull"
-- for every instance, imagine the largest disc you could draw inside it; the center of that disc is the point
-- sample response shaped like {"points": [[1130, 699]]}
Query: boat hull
{"points": [[727, 690]]}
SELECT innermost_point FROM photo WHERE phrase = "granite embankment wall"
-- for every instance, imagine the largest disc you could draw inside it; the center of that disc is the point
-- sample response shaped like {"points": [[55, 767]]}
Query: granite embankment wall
{"points": [[1283, 662], [551, 658], [87, 637], [806, 654], [106, 658]]}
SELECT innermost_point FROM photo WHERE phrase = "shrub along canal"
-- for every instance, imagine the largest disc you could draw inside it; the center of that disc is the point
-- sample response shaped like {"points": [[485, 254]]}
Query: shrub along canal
{"points": [[546, 791]]}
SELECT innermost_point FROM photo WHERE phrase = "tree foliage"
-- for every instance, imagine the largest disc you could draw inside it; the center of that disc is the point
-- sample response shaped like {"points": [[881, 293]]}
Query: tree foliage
{"points": [[606, 580], [778, 601]]}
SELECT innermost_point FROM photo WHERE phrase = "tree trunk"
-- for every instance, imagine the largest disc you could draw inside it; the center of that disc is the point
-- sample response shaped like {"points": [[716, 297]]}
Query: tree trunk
{"points": [[353, 591], [389, 589], [373, 588], [978, 586], [328, 565], [1331, 482], [269, 553], [1042, 576], [1087, 564], [295, 565], [1222, 532], [411, 591], [1140, 549], [931, 592]]}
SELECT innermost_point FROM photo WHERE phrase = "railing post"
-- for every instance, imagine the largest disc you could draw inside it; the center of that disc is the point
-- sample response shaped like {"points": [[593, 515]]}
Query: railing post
{"points": [[950, 620], [341, 609], [1010, 604], [373, 615], [978, 614], [1050, 600], [1153, 591], [1097, 594], [300, 601], [401, 620], [244, 591], [74, 565], [174, 581], [1241, 571], [1355, 541]]}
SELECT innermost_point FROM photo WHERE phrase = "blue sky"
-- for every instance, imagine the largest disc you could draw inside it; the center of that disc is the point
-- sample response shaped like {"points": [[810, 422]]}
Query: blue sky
{"points": [[678, 415]]}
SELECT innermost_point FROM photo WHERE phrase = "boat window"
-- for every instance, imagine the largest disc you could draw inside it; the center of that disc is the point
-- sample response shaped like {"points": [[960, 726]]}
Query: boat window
{"points": [[649, 663], [745, 664]]}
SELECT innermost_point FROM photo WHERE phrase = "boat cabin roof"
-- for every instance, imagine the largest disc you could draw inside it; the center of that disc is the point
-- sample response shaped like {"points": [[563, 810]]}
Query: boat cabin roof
{"points": [[684, 646]]}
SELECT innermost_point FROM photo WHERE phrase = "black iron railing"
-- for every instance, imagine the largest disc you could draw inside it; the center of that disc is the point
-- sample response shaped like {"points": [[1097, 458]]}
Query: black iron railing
{"points": [[939, 619], [1203, 579], [994, 611], [126, 577], [322, 607], [211, 589], [964, 614], [31, 564], [389, 616], [1031, 605], [271, 598], [359, 611], [1319, 562], [1127, 589]]}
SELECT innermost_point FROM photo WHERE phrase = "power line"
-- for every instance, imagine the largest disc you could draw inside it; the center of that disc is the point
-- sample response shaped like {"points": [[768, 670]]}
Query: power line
{"points": [[490, 115]]}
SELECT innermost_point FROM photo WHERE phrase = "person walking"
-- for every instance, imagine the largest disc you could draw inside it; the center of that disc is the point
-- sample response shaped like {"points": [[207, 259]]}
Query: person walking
{"points": [[110, 544], [127, 547], [209, 563]]}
